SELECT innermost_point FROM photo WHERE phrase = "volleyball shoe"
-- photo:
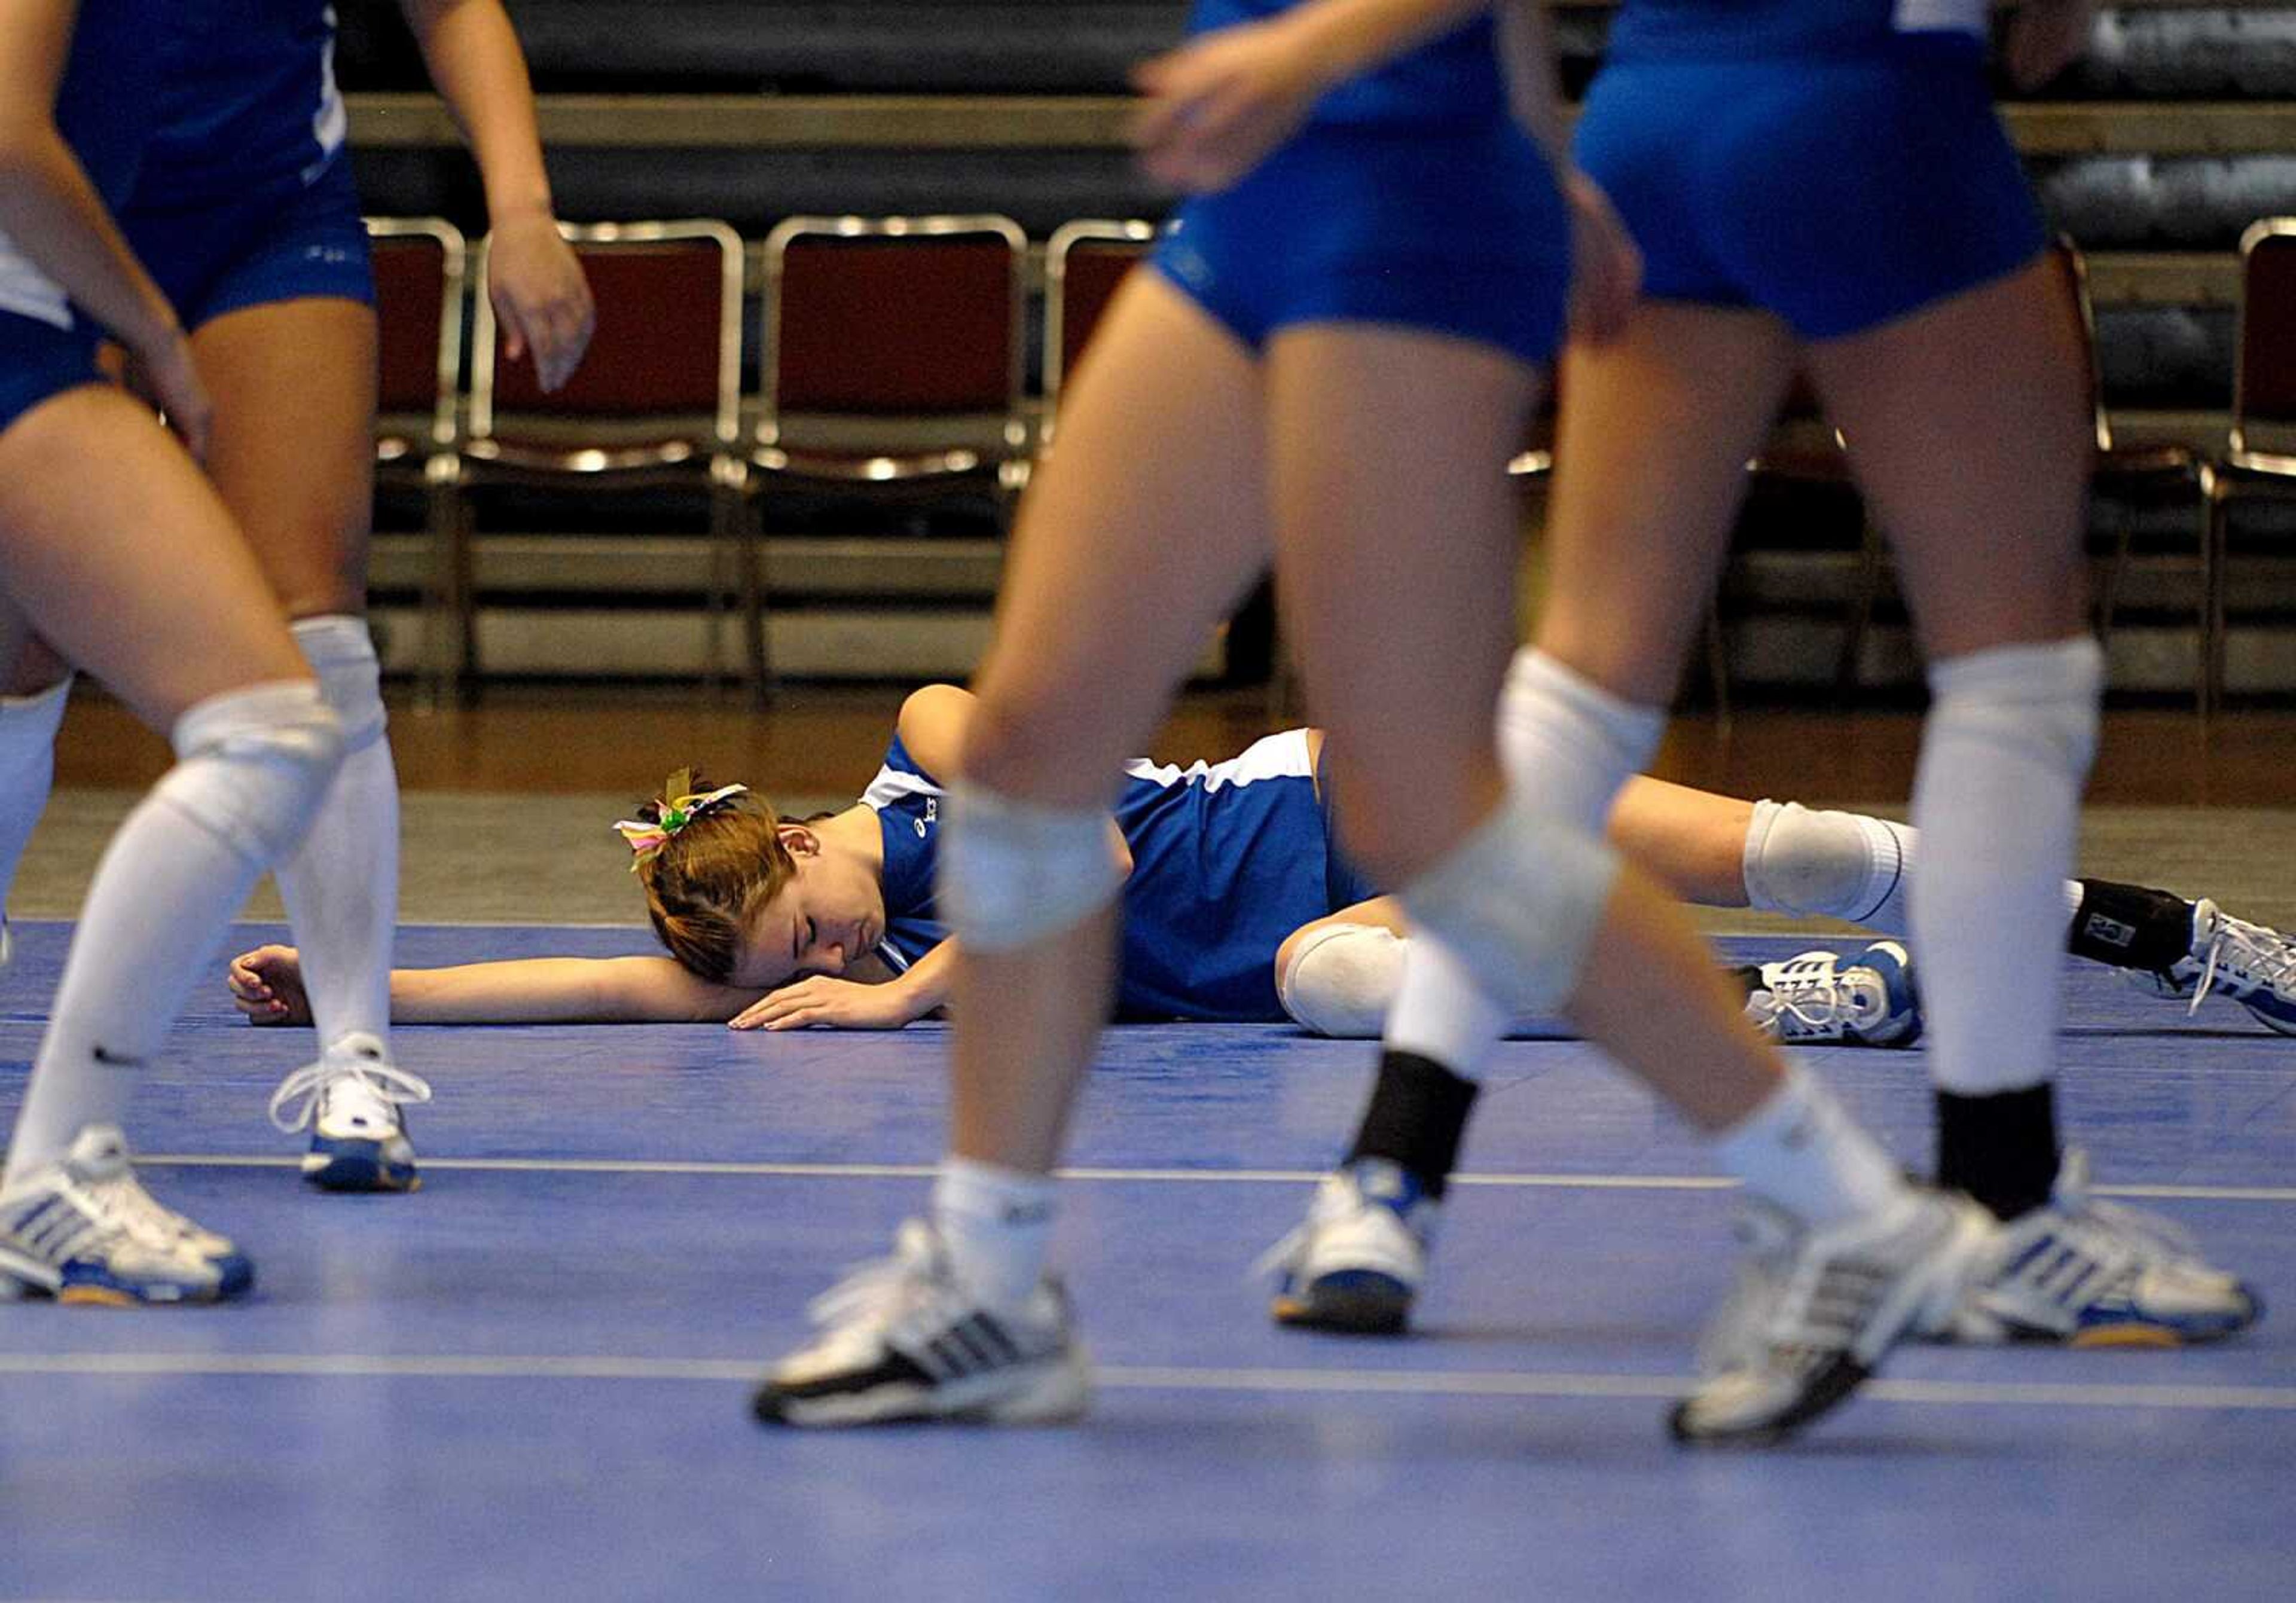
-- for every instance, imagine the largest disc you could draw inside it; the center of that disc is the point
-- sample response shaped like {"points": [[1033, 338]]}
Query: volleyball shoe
{"points": [[1815, 1310], [1820, 999], [901, 1339], [83, 1229], [349, 1100], [2250, 964], [2094, 1274], [1356, 1263]]}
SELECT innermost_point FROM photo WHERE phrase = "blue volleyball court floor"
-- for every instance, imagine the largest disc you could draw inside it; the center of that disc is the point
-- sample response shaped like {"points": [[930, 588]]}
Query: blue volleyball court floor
{"points": [[530, 1380]]}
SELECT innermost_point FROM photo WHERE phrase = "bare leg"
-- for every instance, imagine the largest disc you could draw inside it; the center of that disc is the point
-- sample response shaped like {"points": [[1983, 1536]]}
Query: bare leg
{"points": [[1145, 525]]}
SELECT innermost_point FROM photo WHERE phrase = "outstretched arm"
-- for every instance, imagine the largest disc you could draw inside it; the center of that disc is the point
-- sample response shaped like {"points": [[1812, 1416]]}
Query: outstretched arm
{"points": [[266, 984], [536, 285]]}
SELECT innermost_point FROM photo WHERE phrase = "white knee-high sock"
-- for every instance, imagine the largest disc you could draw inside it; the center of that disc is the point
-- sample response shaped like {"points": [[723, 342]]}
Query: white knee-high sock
{"points": [[27, 769], [2004, 754], [341, 885], [1442, 1013], [254, 763]]}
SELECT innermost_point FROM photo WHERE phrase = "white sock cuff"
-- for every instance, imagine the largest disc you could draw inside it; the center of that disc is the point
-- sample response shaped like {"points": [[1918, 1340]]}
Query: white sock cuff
{"points": [[996, 1226], [42, 708], [340, 650]]}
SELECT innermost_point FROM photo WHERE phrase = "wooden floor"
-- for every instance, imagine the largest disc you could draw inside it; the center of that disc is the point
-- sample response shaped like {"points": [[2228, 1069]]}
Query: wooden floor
{"points": [[828, 740]]}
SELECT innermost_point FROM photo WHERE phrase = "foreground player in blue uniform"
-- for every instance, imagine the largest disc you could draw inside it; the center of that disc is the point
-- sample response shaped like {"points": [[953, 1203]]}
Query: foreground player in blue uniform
{"points": [[1823, 185], [1326, 366], [245, 210], [102, 518], [1237, 908]]}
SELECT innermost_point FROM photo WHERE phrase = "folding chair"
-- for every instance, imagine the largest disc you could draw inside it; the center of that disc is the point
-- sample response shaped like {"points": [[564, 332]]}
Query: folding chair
{"points": [[1084, 263], [656, 402], [2260, 458], [419, 266], [893, 354], [2130, 475]]}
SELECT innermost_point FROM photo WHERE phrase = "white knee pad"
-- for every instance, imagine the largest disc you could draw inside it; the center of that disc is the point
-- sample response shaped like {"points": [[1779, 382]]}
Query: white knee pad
{"points": [[2037, 701], [341, 653], [1837, 865], [1519, 902], [1341, 980], [253, 763], [1569, 741], [1013, 872]]}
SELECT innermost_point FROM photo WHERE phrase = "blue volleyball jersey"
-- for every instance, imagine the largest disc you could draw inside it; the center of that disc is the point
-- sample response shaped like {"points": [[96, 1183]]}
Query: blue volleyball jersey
{"points": [[109, 78], [249, 101], [1453, 79], [1766, 29], [1227, 859]]}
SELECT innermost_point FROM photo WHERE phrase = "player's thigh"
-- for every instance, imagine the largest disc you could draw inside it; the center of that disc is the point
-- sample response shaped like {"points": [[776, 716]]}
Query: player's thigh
{"points": [[1968, 427], [1399, 536], [1654, 434], [292, 453], [1144, 527], [121, 554]]}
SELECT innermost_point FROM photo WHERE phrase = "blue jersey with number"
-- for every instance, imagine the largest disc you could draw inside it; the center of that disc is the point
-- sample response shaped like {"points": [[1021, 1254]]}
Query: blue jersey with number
{"points": [[1227, 859], [1766, 29], [1452, 79], [248, 101]]}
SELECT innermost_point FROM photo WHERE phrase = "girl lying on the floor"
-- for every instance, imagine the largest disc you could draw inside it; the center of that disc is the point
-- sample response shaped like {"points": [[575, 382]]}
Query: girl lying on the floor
{"points": [[1239, 907]]}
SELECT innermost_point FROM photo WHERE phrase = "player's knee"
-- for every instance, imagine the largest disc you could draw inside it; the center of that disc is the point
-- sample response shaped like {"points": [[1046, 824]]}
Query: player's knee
{"points": [[253, 764], [341, 653], [2039, 701], [1339, 979], [1519, 901], [1015, 872]]}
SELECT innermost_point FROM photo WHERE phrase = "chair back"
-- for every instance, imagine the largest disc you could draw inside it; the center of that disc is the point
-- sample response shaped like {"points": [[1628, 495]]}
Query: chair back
{"points": [[2073, 266], [419, 266], [913, 324], [2264, 374], [1084, 263], [667, 353]]}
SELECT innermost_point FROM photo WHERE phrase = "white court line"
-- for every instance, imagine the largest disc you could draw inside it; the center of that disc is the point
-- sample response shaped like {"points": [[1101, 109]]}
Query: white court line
{"points": [[826, 1170], [1416, 1383]]}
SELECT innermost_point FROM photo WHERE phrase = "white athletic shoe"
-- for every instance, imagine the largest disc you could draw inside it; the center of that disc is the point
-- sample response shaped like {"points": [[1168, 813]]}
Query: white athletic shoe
{"points": [[349, 1100], [2251, 964], [1815, 1310], [84, 1230], [901, 1340], [2094, 1274], [1821, 999], [1356, 1263]]}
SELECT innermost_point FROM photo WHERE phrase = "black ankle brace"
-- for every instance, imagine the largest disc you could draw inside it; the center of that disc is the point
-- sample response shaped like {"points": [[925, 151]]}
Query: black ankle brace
{"points": [[2130, 927]]}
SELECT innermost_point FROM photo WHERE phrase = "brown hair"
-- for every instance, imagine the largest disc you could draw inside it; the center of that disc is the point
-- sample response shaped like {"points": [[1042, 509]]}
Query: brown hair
{"points": [[706, 884]]}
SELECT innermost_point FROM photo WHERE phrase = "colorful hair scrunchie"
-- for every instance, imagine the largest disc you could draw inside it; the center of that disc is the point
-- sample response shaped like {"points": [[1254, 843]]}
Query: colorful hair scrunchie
{"points": [[681, 806]]}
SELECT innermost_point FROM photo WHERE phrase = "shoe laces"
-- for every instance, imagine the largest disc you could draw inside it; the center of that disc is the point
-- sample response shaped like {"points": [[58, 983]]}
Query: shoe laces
{"points": [[2255, 955], [1339, 1194], [878, 1293], [2108, 1231], [297, 1100], [1809, 988]]}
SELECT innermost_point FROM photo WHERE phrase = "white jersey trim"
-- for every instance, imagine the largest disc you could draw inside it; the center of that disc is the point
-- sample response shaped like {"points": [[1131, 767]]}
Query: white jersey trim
{"points": [[891, 785], [29, 292], [1271, 756], [1940, 16]]}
